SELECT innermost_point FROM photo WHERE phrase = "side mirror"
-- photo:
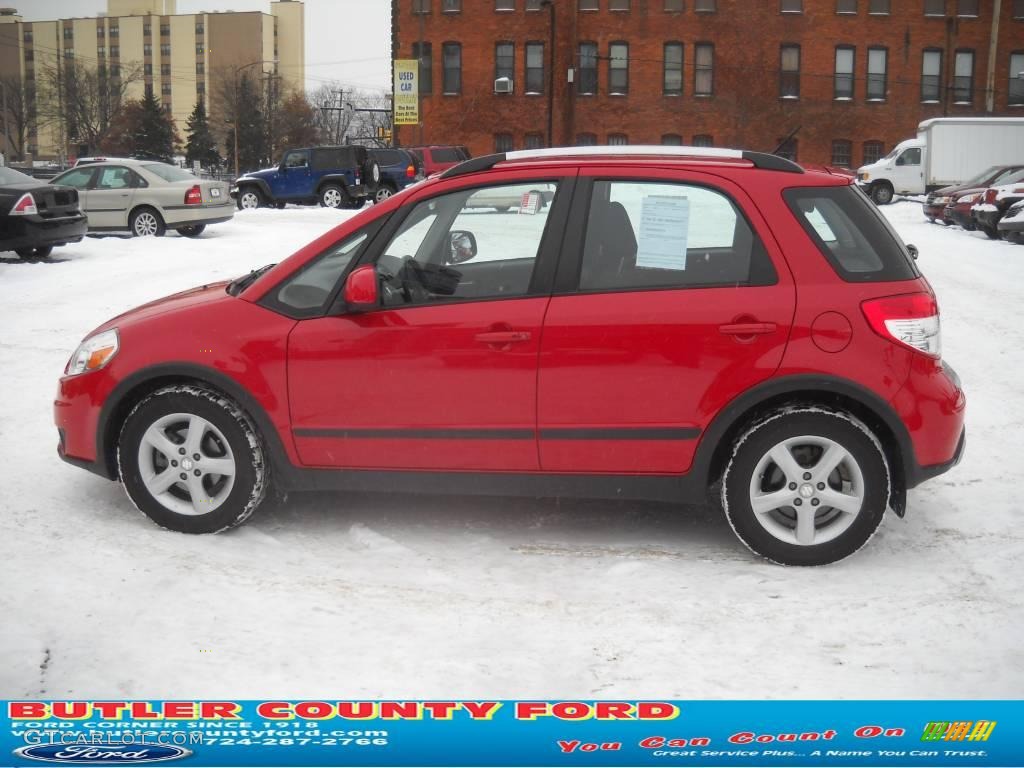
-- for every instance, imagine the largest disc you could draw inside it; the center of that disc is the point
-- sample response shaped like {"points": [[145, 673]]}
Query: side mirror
{"points": [[461, 247], [361, 293], [912, 250]]}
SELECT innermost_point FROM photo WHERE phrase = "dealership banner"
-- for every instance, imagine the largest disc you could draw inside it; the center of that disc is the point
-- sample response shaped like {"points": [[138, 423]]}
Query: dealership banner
{"points": [[407, 93], [333, 732]]}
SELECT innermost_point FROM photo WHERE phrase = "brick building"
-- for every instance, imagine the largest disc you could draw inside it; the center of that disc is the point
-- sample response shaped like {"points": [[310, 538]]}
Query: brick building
{"points": [[180, 54], [852, 77]]}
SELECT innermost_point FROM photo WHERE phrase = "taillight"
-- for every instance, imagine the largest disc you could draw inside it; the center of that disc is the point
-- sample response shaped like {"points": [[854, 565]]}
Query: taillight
{"points": [[911, 319], [194, 196], [25, 206], [990, 195], [410, 171]]}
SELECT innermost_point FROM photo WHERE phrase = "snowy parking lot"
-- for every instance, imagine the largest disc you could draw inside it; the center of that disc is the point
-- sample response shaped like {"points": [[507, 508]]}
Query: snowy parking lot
{"points": [[377, 595]]}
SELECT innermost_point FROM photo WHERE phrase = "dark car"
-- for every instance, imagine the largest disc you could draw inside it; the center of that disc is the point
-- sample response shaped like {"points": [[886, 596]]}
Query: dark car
{"points": [[398, 169], [336, 177], [771, 340], [1011, 226], [936, 202], [438, 158], [36, 216], [996, 201]]}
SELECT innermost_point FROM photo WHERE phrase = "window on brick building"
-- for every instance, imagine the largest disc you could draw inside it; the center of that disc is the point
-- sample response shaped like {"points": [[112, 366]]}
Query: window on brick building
{"points": [[423, 53], [114, 31], [200, 68], [165, 49], [504, 60], [27, 36], [147, 30], [30, 55], [968, 8], [879, 7], [69, 33], [618, 68], [703, 69], [931, 75], [586, 139], [115, 70], [672, 140], [69, 53], [705, 6], [165, 70], [843, 80], [1018, 9], [588, 69], [165, 30], [101, 51], [504, 5], [451, 6], [533, 141], [503, 142], [200, 29], [703, 140], [618, 5], [165, 89], [533, 5], [617, 140], [846, 6], [789, 72], [199, 50], [451, 54], [672, 84], [792, 6], [589, 5], [963, 77], [147, 69], [878, 63], [787, 148], [535, 67], [147, 49], [1015, 89], [873, 151], [100, 31], [934, 7], [421, 6], [842, 153], [674, 6]]}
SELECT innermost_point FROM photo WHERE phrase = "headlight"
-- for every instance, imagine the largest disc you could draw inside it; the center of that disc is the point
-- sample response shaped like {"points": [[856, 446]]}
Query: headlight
{"points": [[865, 176], [93, 353], [941, 200]]}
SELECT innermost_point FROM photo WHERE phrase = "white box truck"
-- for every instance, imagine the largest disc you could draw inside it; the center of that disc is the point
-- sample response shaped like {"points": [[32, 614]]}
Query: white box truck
{"points": [[947, 151]]}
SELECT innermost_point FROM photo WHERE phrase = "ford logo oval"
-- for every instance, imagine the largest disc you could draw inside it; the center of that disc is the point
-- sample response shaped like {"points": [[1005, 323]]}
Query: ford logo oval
{"points": [[107, 754]]}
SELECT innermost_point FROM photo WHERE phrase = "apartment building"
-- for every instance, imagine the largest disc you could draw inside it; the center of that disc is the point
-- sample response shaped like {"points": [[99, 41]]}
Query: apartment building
{"points": [[180, 55], [847, 79]]}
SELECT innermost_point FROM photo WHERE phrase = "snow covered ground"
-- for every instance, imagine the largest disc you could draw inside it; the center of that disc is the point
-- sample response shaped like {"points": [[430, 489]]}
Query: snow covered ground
{"points": [[383, 595]]}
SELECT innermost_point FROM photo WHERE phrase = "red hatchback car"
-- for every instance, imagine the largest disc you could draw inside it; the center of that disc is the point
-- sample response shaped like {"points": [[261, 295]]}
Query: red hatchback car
{"points": [[677, 324]]}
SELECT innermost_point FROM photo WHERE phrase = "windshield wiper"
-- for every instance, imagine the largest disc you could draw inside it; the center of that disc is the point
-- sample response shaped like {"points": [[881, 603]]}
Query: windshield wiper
{"points": [[235, 287]]}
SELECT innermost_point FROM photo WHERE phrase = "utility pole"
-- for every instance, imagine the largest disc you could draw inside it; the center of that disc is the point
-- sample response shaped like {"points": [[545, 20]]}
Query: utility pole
{"points": [[551, 71], [993, 45], [7, 135]]}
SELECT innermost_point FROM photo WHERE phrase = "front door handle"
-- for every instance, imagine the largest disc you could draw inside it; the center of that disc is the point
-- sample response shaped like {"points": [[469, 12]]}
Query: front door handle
{"points": [[747, 329], [502, 337]]}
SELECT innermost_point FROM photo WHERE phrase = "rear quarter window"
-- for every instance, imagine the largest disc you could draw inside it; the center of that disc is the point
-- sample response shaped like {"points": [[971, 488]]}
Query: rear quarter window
{"points": [[850, 232], [387, 157], [334, 159], [447, 155]]}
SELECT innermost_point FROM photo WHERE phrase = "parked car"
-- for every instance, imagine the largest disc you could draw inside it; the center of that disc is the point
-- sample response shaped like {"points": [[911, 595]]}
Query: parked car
{"points": [[438, 158], [504, 199], [336, 177], [677, 320], [398, 169], [936, 202], [35, 217], [996, 201], [147, 198], [1011, 226], [959, 208]]}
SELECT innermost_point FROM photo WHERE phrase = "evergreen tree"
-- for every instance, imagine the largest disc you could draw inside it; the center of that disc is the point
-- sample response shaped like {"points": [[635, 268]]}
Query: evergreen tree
{"points": [[200, 144], [156, 134], [252, 136]]}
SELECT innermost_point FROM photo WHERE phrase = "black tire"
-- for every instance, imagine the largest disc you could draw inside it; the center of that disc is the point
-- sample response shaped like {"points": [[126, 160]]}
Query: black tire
{"points": [[991, 232], [279, 205], [502, 208], [333, 196], [354, 203], [146, 222], [249, 197], [193, 231], [384, 191], [881, 193], [816, 423], [35, 253], [244, 446]]}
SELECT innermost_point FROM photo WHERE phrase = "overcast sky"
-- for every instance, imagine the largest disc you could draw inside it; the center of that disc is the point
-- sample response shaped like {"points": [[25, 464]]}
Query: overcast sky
{"points": [[346, 40]]}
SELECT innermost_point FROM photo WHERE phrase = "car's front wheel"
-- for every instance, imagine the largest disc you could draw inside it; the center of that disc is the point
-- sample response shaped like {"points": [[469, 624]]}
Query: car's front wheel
{"points": [[35, 253], [146, 222], [881, 193], [192, 460], [194, 230], [249, 198], [806, 486]]}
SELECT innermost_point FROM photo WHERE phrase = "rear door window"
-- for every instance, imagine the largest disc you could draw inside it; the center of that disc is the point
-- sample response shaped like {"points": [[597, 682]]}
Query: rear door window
{"points": [[851, 234], [447, 155]]}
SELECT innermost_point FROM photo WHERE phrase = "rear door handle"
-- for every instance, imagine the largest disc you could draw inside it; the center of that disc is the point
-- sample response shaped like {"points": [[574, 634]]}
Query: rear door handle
{"points": [[502, 337], [747, 329]]}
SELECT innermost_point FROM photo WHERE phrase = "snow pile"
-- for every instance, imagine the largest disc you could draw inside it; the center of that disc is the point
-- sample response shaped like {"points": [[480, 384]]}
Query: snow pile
{"points": [[364, 595]]}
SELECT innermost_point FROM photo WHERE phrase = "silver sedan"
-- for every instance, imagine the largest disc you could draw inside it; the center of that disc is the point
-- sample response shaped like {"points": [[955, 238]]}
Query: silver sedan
{"points": [[147, 198]]}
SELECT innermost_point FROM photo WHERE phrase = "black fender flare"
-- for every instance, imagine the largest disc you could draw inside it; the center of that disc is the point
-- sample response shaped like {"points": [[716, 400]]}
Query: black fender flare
{"points": [[260, 184], [128, 392], [335, 178]]}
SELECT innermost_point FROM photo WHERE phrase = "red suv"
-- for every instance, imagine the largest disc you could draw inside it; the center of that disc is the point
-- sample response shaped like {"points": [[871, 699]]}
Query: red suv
{"points": [[677, 324]]}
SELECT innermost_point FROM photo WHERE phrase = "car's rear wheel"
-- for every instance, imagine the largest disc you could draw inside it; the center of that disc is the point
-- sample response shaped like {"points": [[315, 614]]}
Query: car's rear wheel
{"points": [[249, 198], [806, 486], [332, 196], [146, 222], [192, 460], [192, 231], [990, 231], [35, 253], [354, 202], [881, 193], [384, 191]]}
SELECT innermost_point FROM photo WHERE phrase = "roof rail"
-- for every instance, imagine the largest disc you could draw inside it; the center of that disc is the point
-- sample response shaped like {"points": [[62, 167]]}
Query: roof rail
{"points": [[759, 159]]}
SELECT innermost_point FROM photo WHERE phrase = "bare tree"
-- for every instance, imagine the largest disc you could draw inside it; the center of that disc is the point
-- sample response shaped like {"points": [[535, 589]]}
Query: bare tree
{"points": [[332, 119], [18, 99]]}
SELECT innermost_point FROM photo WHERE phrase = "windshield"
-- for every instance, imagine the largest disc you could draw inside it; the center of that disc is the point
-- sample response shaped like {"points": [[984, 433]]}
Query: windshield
{"points": [[892, 154], [11, 176], [169, 172]]}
